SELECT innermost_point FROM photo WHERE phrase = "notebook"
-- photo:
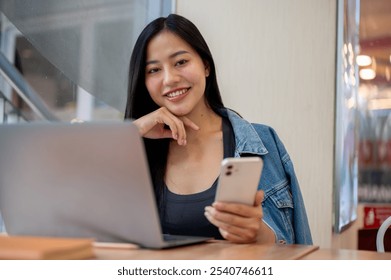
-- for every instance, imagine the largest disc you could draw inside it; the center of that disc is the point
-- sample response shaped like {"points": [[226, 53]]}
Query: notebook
{"points": [[85, 180]]}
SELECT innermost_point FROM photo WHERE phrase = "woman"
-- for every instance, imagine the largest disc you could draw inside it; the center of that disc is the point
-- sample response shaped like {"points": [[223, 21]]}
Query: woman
{"points": [[175, 102]]}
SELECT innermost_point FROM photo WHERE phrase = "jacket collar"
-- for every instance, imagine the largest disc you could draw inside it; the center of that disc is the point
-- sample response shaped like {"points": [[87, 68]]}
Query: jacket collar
{"points": [[247, 140]]}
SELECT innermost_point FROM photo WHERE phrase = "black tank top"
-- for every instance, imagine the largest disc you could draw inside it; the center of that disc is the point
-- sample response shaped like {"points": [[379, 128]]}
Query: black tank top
{"points": [[184, 214]]}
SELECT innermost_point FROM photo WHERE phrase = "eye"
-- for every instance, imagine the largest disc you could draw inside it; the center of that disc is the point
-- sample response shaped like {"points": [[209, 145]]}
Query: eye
{"points": [[181, 62], [152, 70]]}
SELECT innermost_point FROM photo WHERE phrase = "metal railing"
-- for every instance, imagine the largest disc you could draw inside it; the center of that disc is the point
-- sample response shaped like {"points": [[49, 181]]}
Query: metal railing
{"points": [[9, 113], [24, 90]]}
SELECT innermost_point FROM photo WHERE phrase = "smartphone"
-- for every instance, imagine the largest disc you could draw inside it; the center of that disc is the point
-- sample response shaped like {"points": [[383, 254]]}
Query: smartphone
{"points": [[239, 179]]}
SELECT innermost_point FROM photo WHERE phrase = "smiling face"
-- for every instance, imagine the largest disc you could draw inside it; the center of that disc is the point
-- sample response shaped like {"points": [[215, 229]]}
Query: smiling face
{"points": [[175, 75]]}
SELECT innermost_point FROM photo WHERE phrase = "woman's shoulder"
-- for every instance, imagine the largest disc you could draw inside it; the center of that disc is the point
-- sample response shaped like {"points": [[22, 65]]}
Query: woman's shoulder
{"points": [[271, 140], [263, 128], [238, 121], [255, 134], [266, 133]]}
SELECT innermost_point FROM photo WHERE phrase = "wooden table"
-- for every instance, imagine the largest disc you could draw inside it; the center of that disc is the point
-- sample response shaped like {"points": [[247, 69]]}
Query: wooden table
{"points": [[213, 250], [342, 254], [223, 250]]}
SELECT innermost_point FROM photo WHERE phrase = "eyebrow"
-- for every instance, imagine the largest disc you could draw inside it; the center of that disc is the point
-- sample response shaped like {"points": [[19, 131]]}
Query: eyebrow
{"points": [[170, 56]]}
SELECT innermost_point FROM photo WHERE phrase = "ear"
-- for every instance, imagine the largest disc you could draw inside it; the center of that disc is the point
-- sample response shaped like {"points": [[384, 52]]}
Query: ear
{"points": [[207, 68]]}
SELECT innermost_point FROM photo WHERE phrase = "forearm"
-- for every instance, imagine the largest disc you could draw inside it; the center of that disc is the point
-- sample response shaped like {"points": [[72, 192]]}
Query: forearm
{"points": [[265, 234]]}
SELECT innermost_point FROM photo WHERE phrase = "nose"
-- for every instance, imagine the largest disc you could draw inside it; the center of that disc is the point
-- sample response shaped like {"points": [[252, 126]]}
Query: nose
{"points": [[171, 76]]}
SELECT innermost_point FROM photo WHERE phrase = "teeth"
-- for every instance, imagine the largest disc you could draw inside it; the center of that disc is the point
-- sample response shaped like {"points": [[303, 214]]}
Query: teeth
{"points": [[176, 93]]}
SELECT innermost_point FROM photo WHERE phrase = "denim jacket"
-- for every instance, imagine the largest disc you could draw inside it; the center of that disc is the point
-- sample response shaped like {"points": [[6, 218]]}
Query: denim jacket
{"points": [[283, 205]]}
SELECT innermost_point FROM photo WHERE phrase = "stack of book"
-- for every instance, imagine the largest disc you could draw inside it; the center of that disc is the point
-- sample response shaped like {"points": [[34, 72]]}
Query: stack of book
{"points": [[45, 248]]}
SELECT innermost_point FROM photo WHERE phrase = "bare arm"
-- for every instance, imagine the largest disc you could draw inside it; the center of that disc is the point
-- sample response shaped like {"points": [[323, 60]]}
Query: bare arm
{"points": [[154, 125]]}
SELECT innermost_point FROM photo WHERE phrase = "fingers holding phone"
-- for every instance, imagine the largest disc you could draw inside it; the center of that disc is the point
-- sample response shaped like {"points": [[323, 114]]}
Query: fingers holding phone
{"points": [[237, 222]]}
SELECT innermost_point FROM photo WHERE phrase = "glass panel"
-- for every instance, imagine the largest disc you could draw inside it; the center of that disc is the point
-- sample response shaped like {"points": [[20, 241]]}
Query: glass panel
{"points": [[375, 106], [346, 141], [88, 41]]}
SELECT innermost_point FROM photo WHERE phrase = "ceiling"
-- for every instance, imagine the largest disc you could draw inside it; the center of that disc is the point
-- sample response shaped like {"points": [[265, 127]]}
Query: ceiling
{"points": [[375, 38]]}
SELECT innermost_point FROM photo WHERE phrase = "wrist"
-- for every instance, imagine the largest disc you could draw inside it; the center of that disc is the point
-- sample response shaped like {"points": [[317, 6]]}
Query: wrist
{"points": [[266, 234]]}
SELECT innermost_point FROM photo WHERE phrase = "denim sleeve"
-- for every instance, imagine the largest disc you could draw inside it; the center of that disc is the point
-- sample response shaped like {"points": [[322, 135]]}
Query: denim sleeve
{"points": [[281, 221], [300, 225]]}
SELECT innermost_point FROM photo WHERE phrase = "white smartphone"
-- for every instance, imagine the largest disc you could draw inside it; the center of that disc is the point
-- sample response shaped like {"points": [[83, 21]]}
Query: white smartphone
{"points": [[239, 179]]}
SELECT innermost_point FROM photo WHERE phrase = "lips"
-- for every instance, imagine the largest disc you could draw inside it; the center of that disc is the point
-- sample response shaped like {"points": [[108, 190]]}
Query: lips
{"points": [[177, 93]]}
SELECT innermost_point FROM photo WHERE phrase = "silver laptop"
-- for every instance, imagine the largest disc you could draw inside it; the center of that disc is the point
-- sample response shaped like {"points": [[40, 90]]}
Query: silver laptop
{"points": [[80, 180]]}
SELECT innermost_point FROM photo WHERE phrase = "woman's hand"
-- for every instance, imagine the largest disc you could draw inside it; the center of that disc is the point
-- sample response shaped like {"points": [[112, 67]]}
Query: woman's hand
{"points": [[154, 125], [240, 223]]}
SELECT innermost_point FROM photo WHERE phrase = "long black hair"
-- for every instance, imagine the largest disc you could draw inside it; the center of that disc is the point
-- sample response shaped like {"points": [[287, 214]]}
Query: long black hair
{"points": [[139, 102]]}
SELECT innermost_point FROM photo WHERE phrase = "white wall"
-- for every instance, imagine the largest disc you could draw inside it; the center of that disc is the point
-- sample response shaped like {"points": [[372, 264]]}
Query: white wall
{"points": [[276, 65]]}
